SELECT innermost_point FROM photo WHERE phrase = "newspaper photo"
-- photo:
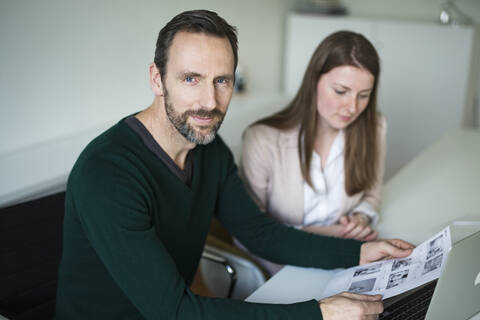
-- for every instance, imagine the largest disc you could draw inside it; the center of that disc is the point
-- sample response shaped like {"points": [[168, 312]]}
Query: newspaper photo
{"points": [[392, 277]]}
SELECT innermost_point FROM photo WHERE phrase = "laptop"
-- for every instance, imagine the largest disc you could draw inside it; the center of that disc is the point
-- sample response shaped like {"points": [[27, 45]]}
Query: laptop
{"points": [[455, 295]]}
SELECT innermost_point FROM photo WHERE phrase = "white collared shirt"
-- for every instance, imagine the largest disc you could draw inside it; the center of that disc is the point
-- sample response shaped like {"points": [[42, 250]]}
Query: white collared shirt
{"points": [[322, 204]]}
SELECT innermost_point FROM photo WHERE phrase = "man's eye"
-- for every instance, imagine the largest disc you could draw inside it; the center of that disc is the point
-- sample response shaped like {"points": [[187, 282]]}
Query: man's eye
{"points": [[189, 79], [221, 81]]}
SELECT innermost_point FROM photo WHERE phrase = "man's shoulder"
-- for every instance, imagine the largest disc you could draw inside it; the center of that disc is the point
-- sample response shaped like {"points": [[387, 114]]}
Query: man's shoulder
{"points": [[105, 141], [102, 151]]}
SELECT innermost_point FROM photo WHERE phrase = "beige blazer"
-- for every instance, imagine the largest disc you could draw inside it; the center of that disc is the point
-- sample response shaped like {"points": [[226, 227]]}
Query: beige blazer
{"points": [[270, 168]]}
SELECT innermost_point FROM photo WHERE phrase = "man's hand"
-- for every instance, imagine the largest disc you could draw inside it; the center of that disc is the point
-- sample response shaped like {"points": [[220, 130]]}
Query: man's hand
{"points": [[357, 226], [384, 249], [351, 306]]}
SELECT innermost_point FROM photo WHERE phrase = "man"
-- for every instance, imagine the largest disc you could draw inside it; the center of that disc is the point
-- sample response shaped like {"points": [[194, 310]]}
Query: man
{"points": [[141, 196]]}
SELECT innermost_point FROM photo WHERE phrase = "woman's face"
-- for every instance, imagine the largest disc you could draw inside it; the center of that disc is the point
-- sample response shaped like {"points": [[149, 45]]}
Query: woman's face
{"points": [[342, 95]]}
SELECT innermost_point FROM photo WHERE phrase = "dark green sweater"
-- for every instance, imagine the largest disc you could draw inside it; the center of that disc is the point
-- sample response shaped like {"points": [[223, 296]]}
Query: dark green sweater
{"points": [[134, 234]]}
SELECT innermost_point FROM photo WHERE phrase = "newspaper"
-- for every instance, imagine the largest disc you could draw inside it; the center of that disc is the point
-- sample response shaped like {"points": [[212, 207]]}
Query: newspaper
{"points": [[392, 277]]}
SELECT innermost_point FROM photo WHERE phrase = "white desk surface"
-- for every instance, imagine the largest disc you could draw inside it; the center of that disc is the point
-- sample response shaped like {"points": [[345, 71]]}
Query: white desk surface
{"points": [[439, 186]]}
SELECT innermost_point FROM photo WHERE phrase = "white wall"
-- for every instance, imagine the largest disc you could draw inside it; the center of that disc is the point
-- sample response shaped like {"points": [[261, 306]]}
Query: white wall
{"points": [[423, 89], [420, 10], [427, 10], [66, 66]]}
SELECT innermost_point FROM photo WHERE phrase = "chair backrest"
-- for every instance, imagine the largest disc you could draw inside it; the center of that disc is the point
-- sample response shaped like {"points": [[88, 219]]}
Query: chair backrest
{"points": [[249, 276], [30, 251]]}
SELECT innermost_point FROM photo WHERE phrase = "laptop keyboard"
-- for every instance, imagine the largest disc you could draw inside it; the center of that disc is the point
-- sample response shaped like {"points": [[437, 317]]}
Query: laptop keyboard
{"points": [[411, 307]]}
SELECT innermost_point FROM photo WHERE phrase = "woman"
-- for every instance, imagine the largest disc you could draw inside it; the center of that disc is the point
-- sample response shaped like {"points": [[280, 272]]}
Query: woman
{"points": [[318, 164]]}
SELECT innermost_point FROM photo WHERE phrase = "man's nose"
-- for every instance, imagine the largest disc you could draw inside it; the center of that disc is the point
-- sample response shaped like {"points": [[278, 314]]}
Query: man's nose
{"points": [[208, 100]]}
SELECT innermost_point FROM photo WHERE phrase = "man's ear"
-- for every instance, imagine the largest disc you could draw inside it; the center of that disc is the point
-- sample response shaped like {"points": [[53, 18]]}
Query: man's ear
{"points": [[156, 80]]}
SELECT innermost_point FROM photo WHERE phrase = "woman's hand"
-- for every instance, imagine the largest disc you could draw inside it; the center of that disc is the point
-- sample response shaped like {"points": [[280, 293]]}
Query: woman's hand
{"points": [[357, 226], [333, 230]]}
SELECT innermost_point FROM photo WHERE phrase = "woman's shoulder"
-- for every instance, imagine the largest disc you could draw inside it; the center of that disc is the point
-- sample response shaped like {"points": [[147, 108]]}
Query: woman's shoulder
{"points": [[269, 133], [259, 136], [260, 129]]}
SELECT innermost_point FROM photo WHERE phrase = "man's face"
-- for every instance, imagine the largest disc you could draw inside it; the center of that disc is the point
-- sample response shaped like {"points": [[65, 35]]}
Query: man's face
{"points": [[198, 84]]}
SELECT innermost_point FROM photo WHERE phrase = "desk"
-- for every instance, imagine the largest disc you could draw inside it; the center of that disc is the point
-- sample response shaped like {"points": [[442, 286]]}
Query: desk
{"points": [[441, 185]]}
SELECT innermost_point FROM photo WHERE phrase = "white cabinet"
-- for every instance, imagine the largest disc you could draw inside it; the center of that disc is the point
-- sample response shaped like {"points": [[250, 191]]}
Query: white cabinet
{"points": [[424, 81]]}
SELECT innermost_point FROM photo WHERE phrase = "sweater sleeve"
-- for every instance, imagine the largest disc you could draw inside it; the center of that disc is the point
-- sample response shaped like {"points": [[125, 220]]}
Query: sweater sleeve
{"points": [[275, 241], [113, 211]]}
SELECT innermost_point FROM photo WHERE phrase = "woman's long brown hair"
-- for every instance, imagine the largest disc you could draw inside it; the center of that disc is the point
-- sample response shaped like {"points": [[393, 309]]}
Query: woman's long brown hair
{"points": [[361, 137]]}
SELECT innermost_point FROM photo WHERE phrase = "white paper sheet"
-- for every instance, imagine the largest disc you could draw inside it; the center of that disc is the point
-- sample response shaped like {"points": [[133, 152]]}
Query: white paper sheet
{"points": [[392, 277]]}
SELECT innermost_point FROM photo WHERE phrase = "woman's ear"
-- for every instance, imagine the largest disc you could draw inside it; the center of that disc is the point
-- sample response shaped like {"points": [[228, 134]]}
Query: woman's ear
{"points": [[155, 80]]}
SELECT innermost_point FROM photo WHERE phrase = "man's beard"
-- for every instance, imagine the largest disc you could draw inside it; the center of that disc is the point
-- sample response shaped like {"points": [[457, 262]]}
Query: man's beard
{"points": [[180, 123]]}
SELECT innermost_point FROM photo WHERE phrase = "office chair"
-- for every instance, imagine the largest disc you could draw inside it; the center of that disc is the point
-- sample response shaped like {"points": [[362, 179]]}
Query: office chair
{"points": [[226, 270], [30, 250]]}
